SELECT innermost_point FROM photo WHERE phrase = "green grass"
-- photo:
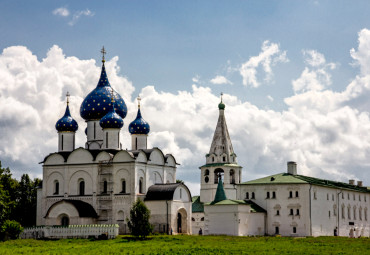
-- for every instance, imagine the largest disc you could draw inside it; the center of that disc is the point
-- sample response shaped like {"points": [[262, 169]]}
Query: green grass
{"points": [[163, 244]]}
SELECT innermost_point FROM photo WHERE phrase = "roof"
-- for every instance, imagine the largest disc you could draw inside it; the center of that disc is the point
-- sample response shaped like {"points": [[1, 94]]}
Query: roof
{"points": [[220, 164], [286, 178], [220, 193], [254, 206], [84, 209], [197, 206], [162, 191]]}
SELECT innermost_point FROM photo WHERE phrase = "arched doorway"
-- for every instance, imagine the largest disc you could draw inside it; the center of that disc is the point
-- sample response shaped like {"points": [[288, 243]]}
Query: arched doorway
{"points": [[65, 221], [179, 223], [182, 221]]}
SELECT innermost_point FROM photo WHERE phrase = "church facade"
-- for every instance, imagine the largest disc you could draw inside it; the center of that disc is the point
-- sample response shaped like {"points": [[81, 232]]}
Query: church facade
{"points": [[99, 183], [285, 203]]}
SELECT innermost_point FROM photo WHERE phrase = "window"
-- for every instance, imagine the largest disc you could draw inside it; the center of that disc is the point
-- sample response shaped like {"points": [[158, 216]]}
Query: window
{"points": [[314, 195], [118, 140], [123, 186], [206, 172], [105, 187], [349, 212], [343, 215], [82, 188], [332, 197], [329, 214], [62, 142], [65, 221], [106, 140], [359, 197], [342, 195], [365, 213], [276, 230], [354, 197], [294, 230], [232, 176], [348, 196], [360, 213], [290, 194], [354, 213], [247, 195], [202, 219], [253, 195], [335, 210], [296, 194], [141, 185], [218, 173], [297, 212], [213, 159], [273, 194], [268, 195], [94, 130], [365, 198], [206, 179], [56, 188], [192, 219], [327, 196], [291, 212], [277, 212], [224, 158]]}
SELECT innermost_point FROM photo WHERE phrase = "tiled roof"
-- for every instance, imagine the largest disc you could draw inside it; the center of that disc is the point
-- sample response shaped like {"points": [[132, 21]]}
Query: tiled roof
{"points": [[285, 178], [197, 206]]}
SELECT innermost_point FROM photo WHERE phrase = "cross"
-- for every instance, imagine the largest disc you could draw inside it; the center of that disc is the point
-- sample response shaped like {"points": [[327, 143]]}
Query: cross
{"points": [[138, 100], [103, 52], [221, 96], [112, 94], [68, 95]]}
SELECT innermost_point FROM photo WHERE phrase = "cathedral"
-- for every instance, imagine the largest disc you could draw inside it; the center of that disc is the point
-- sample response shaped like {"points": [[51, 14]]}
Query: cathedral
{"points": [[99, 183]]}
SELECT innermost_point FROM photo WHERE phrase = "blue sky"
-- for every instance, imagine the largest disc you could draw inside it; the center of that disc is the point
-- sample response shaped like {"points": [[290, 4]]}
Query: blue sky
{"points": [[173, 45]]}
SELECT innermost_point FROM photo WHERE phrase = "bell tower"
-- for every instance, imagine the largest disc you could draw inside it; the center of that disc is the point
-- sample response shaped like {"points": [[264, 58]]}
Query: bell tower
{"points": [[221, 164]]}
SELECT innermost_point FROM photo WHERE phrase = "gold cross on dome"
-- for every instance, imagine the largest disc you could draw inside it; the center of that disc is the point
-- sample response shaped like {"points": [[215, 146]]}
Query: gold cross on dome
{"points": [[68, 95], [138, 101], [103, 52]]}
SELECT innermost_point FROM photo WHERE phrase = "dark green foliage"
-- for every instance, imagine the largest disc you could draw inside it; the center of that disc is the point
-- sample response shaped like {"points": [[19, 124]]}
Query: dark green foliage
{"points": [[11, 230], [180, 181], [139, 224]]}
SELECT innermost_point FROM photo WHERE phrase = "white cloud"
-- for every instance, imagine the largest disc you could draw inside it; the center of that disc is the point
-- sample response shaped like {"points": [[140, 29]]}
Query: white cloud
{"points": [[316, 76], [326, 132], [270, 98], [196, 78], [269, 56], [62, 11], [77, 15], [219, 79]]}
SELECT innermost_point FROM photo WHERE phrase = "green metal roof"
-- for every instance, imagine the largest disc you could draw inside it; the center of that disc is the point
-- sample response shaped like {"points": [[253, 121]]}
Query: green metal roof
{"points": [[197, 206], [220, 164], [285, 178], [220, 193], [254, 206]]}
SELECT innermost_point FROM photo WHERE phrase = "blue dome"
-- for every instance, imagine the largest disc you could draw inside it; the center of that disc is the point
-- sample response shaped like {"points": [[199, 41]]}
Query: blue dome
{"points": [[66, 123], [98, 102], [139, 126], [111, 119]]}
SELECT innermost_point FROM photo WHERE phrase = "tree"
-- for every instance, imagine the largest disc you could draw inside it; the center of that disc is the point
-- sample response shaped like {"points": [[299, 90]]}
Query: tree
{"points": [[139, 224], [180, 181]]}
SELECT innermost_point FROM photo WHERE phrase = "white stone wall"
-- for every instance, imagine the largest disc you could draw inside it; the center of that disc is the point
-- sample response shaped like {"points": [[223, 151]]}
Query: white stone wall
{"points": [[66, 141], [197, 222], [113, 135]]}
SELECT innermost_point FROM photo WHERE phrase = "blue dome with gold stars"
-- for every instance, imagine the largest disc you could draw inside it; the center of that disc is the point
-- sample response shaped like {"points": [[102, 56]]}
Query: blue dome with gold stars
{"points": [[139, 126], [66, 123], [111, 119], [97, 104]]}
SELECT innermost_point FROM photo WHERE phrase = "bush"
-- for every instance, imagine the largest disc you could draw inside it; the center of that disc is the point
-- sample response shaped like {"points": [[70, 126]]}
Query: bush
{"points": [[139, 224], [11, 230]]}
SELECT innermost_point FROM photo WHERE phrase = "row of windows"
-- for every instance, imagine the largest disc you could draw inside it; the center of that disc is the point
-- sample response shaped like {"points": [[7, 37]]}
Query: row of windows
{"points": [[343, 196], [291, 212], [354, 210], [270, 195], [294, 230], [219, 173]]}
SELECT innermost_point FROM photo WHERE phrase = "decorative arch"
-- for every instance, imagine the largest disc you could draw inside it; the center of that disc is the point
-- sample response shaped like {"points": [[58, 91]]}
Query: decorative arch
{"points": [[217, 174], [74, 182], [181, 221], [80, 155], [52, 179]]}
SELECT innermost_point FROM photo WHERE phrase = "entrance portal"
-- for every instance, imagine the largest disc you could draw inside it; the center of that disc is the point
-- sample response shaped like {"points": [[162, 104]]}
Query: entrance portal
{"points": [[179, 223]]}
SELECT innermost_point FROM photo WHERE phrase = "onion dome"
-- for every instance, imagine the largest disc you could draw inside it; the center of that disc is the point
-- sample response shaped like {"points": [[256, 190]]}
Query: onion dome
{"points": [[111, 119], [221, 105], [139, 126], [66, 123], [98, 102]]}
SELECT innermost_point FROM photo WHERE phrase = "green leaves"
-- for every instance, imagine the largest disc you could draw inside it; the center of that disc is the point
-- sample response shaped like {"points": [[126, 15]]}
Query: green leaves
{"points": [[139, 224]]}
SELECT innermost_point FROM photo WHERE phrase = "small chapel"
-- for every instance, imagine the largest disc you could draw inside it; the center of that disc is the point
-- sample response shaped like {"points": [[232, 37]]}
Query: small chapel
{"points": [[98, 183]]}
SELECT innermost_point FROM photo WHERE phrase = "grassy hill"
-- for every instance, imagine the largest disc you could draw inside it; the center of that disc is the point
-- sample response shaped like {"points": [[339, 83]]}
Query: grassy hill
{"points": [[163, 244]]}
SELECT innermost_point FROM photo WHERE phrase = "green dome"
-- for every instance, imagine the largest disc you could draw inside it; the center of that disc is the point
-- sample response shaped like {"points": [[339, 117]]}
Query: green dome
{"points": [[221, 106]]}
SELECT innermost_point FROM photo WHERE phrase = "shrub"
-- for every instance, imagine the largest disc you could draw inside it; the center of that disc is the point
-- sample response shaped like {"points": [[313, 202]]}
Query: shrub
{"points": [[11, 230], [139, 224]]}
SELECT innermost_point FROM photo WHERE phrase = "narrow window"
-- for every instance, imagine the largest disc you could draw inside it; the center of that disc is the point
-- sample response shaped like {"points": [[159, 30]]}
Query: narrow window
{"points": [[232, 176], [327, 196], [359, 197], [297, 211], [65, 221], [314, 195], [180, 193], [291, 212], [277, 212], [360, 213], [273, 194], [106, 140], [82, 188], [56, 192], [365, 213], [118, 140], [224, 159], [276, 230], [332, 197], [94, 130], [329, 214], [136, 143], [354, 213], [206, 172], [296, 194], [141, 185], [253, 195], [290, 194], [213, 159], [348, 196], [123, 186], [342, 195], [62, 142], [354, 197], [294, 230], [268, 194], [343, 214], [247, 195], [202, 219], [349, 212], [105, 187]]}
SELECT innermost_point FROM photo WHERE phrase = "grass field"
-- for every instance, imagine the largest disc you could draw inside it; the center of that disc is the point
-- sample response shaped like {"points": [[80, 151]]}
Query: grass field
{"points": [[163, 244]]}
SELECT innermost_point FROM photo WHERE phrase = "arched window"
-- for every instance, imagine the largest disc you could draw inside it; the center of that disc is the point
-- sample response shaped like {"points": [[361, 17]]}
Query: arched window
{"points": [[206, 172], [253, 195], [268, 194], [296, 194], [56, 188], [82, 188], [354, 212], [343, 213], [349, 212], [276, 230], [232, 176], [219, 173], [291, 212], [273, 194], [365, 213], [297, 211], [123, 186], [290, 194], [294, 230], [105, 187], [247, 195], [65, 221], [141, 185], [360, 213]]}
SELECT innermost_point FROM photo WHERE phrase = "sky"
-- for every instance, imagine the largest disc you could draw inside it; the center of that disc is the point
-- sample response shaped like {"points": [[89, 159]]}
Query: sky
{"points": [[295, 77]]}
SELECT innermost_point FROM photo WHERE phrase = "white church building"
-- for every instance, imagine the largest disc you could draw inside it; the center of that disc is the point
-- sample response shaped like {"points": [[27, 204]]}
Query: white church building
{"points": [[99, 183], [285, 203]]}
